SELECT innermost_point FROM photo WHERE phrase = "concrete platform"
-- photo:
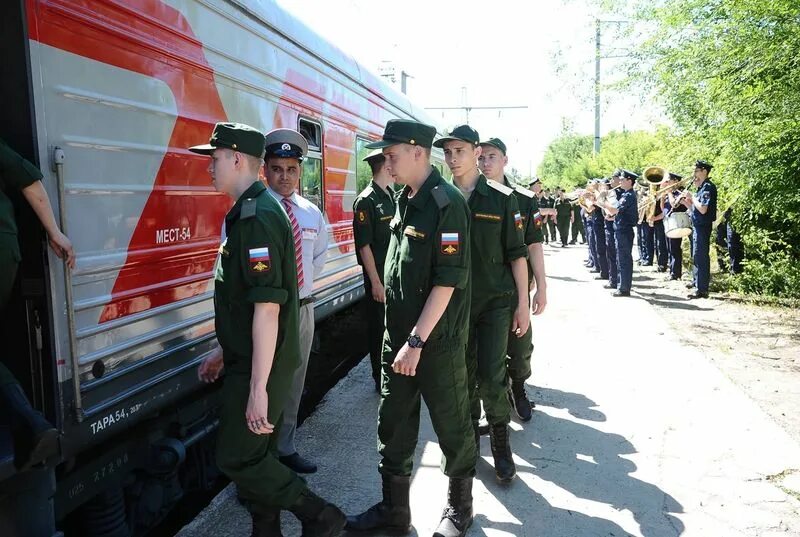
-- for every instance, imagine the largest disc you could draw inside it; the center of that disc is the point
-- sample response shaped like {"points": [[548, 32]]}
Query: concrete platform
{"points": [[633, 434]]}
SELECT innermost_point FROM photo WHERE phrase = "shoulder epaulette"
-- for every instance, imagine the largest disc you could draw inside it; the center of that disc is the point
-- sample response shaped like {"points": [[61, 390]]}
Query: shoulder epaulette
{"points": [[440, 197], [500, 188], [248, 208], [524, 191]]}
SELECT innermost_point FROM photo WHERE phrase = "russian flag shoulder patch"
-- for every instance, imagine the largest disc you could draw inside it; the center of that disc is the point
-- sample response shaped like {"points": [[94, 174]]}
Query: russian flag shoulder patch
{"points": [[450, 243], [259, 260]]}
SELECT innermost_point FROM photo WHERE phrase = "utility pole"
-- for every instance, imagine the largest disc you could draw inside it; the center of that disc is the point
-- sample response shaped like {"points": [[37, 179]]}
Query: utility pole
{"points": [[404, 81], [597, 89], [597, 57]]}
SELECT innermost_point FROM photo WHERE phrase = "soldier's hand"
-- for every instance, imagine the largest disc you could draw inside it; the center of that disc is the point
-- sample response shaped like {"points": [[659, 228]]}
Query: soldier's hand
{"points": [[521, 321], [539, 302], [210, 369], [405, 363], [256, 414], [378, 293], [62, 247]]}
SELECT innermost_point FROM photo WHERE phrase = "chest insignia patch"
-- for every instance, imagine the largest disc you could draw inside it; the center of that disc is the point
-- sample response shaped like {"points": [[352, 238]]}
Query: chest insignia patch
{"points": [[450, 244], [489, 217], [518, 220], [259, 259], [411, 231], [386, 218]]}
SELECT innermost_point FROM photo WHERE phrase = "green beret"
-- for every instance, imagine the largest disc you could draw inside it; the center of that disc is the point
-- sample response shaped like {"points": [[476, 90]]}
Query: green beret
{"points": [[237, 136], [405, 131], [463, 133], [496, 142]]}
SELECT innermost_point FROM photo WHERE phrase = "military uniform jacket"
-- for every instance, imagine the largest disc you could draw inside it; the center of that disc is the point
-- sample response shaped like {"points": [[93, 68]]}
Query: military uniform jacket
{"points": [[16, 173], [706, 195], [628, 215], [429, 246], [563, 209], [497, 240], [372, 211], [529, 209], [256, 264]]}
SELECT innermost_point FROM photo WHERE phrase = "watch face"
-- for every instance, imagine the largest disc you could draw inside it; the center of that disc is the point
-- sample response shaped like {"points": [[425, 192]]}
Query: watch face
{"points": [[415, 342]]}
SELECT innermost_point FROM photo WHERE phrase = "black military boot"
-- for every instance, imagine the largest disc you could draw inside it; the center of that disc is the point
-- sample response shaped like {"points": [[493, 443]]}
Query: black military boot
{"points": [[518, 398], [457, 516], [393, 514], [267, 523], [504, 467], [318, 518], [35, 439]]}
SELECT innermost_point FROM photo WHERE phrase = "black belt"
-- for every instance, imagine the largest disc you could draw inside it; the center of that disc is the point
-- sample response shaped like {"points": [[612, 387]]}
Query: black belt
{"points": [[306, 300]]}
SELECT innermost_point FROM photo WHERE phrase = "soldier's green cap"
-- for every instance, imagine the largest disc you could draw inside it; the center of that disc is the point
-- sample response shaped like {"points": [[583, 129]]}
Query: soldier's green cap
{"points": [[374, 154], [405, 131], [236, 136], [286, 143], [463, 133], [496, 142]]}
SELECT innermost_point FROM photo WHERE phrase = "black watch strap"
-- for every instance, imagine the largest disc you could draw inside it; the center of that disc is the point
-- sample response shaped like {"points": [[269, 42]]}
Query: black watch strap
{"points": [[415, 342]]}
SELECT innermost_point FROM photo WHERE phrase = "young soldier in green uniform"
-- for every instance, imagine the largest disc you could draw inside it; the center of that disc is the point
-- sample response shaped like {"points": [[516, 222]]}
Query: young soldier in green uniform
{"points": [[256, 306], [563, 216], [427, 282], [500, 294], [372, 211], [34, 437], [550, 203], [577, 225], [492, 162]]}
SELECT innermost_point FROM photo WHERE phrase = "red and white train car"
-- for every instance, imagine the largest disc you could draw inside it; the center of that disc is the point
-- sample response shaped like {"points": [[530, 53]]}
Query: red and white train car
{"points": [[105, 95]]}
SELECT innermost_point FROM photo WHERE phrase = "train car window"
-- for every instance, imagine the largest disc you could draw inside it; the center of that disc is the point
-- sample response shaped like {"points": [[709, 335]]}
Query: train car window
{"points": [[311, 181], [312, 133], [363, 171]]}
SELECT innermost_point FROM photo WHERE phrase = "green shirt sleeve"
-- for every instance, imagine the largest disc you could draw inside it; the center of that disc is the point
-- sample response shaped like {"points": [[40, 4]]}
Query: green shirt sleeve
{"points": [[533, 232], [452, 257], [15, 171], [363, 222], [513, 243], [265, 245]]}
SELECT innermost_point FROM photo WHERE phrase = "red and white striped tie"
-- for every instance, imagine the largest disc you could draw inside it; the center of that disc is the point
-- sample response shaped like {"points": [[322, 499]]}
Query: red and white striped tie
{"points": [[298, 242]]}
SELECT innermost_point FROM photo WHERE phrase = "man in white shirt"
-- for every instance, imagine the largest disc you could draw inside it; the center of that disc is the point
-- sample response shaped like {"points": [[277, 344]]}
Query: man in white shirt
{"points": [[285, 149]]}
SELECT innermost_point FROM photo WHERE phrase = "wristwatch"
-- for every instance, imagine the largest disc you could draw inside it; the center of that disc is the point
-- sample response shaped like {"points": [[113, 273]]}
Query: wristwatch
{"points": [[415, 342]]}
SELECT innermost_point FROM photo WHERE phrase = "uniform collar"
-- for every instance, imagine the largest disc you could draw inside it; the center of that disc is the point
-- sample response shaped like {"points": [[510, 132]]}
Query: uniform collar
{"points": [[482, 187], [252, 192], [424, 192], [292, 198], [384, 192]]}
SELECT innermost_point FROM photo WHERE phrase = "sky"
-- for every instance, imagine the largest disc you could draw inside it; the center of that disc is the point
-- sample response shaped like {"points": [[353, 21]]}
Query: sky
{"points": [[534, 53]]}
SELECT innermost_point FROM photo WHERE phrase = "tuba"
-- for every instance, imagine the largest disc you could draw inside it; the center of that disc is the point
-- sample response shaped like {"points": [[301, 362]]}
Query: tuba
{"points": [[653, 176]]}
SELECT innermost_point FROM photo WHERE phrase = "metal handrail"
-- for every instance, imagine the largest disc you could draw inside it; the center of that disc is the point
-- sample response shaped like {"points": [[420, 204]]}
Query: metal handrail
{"points": [[58, 164]]}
